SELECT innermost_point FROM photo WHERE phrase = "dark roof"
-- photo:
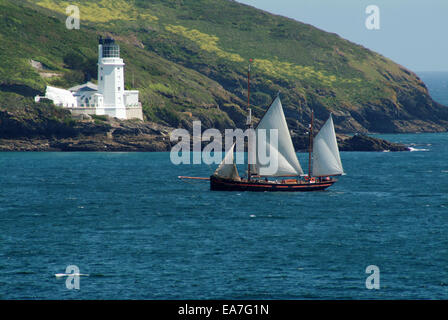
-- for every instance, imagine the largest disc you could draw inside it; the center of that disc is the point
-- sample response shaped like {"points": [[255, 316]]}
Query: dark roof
{"points": [[88, 86], [107, 40]]}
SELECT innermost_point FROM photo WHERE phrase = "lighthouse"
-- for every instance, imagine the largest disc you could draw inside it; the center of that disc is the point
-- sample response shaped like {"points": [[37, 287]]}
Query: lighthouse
{"points": [[108, 97], [111, 78]]}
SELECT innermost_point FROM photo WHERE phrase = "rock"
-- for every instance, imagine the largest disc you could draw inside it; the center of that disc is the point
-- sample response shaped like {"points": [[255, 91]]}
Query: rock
{"points": [[361, 142], [82, 117], [46, 130], [358, 142]]}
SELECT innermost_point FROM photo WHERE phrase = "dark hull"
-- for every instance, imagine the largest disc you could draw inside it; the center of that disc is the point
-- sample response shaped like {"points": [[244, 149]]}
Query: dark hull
{"points": [[219, 184]]}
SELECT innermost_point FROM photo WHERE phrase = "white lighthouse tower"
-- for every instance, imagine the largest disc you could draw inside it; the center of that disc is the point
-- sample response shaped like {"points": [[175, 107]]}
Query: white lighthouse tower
{"points": [[111, 79], [106, 98]]}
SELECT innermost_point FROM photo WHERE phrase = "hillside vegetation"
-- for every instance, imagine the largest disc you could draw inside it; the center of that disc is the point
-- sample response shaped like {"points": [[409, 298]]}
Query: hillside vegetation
{"points": [[189, 60]]}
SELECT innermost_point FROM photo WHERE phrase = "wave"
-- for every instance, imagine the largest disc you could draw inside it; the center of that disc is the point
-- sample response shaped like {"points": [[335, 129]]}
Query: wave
{"points": [[415, 149], [60, 275]]}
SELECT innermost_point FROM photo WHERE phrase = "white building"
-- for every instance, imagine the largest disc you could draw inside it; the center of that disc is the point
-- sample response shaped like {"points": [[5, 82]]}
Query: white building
{"points": [[106, 98]]}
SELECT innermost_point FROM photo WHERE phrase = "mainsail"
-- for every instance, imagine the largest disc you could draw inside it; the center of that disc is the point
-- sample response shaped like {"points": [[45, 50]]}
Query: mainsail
{"points": [[288, 164], [326, 159], [227, 168]]}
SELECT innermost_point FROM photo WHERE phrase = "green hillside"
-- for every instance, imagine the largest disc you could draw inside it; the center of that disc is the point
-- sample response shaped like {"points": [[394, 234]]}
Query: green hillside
{"points": [[189, 60]]}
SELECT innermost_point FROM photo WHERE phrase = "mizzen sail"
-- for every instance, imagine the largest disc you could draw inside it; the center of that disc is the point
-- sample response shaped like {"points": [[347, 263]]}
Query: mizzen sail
{"points": [[326, 158], [288, 164], [227, 168]]}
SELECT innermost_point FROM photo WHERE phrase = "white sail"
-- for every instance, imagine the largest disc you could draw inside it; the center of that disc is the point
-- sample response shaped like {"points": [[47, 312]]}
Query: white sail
{"points": [[326, 159], [288, 164], [227, 168]]}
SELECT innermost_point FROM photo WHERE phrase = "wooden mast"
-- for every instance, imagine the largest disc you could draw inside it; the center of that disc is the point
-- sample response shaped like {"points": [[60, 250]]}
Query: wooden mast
{"points": [[249, 120], [248, 87], [310, 147]]}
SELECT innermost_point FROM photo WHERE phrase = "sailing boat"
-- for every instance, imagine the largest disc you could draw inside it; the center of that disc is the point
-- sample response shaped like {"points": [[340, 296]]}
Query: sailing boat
{"points": [[325, 161]]}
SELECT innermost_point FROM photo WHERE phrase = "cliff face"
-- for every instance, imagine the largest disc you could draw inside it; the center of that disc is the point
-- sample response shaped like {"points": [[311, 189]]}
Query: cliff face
{"points": [[44, 127], [189, 60]]}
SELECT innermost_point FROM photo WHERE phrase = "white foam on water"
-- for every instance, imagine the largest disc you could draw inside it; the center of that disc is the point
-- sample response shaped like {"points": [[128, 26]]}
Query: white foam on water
{"points": [[415, 149], [59, 275]]}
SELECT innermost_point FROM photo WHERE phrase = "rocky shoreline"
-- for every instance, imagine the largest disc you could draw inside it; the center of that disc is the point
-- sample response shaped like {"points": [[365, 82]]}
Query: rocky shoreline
{"points": [[110, 135], [137, 136]]}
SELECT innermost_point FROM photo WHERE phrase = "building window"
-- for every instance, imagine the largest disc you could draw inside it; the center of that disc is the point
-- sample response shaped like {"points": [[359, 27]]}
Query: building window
{"points": [[111, 51], [118, 88]]}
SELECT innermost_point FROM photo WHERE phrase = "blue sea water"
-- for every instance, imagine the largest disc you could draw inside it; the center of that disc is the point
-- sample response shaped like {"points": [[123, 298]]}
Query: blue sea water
{"points": [[140, 233]]}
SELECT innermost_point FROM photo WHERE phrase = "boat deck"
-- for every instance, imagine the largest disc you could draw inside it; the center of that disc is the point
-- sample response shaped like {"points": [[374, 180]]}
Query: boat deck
{"points": [[291, 185]]}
